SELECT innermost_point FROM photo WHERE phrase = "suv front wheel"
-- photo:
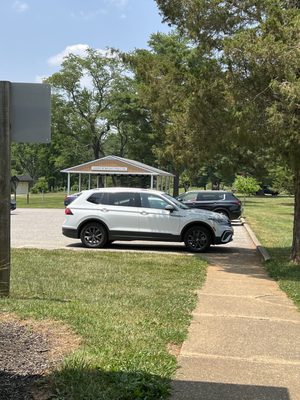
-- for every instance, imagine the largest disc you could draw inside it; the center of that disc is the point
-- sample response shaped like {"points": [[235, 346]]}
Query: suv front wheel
{"points": [[197, 239], [94, 235]]}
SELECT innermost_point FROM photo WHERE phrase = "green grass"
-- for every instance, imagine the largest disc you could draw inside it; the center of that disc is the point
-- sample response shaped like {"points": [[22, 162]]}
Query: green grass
{"points": [[271, 218], [127, 307], [46, 200]]}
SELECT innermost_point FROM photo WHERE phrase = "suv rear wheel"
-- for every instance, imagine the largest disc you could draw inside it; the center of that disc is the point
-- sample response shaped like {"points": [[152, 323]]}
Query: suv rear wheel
{"points": [[93, 235], [197, 239]]}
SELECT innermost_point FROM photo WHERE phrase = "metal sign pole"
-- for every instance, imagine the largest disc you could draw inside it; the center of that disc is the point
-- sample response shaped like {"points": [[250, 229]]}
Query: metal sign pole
{"points": [[4, 188]]}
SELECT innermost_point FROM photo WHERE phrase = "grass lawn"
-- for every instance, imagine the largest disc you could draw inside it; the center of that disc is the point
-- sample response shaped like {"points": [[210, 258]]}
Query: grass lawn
{"points": [[271, 218], [46, 200], [127, 307]]}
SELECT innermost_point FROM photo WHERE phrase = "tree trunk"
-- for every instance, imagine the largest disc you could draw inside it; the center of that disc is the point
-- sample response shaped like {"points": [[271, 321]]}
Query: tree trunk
{"points": [[295, 256], [176, 185]]}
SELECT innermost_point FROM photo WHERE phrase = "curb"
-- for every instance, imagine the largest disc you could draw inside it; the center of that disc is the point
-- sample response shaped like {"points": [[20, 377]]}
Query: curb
{"points": [[260, 249]]}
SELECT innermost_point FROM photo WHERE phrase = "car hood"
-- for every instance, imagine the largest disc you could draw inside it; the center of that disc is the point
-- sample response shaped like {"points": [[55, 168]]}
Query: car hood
{"points": [[199, 211], [204, 213]]}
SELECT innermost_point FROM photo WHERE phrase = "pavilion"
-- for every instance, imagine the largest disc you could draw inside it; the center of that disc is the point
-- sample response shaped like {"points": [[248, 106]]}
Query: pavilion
{"points": [[117, 166]]}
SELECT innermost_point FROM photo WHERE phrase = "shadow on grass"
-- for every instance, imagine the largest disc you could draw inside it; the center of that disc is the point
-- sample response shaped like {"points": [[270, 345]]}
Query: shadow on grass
{"points": [[93, 384], [280, 267], [84, 383]]}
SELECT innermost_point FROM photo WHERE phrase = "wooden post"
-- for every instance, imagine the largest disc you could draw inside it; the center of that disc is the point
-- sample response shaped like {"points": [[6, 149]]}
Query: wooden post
{"points": [[5, 188]]}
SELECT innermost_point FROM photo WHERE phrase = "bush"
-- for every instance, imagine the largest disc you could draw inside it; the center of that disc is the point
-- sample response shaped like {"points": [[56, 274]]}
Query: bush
{"points": [[246, 185], [41, 186]]}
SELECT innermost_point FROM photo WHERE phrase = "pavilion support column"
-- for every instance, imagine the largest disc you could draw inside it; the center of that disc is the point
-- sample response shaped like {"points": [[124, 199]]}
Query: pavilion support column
{"points": [[79, 183], [89, 181], [69, 183], [151, 181]]}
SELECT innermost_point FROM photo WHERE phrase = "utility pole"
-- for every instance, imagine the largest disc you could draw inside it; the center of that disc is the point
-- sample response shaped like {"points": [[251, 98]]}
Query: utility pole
{"points": [[4, 188]]}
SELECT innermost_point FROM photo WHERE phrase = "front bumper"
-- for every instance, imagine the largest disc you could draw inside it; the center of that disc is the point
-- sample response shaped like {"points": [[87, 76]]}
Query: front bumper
{"points": [[226, 237]]}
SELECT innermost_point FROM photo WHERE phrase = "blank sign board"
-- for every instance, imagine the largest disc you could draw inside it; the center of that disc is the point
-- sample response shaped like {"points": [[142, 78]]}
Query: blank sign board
{"points": [[30, 112]]}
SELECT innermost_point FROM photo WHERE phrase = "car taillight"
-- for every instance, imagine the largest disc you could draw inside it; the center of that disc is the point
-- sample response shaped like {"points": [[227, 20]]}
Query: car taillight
{"points": [[68, 211]]}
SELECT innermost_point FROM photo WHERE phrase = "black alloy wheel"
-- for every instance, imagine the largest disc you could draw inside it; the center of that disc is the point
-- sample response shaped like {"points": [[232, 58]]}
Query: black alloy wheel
{"points": [[94, 235], [197, 239]]}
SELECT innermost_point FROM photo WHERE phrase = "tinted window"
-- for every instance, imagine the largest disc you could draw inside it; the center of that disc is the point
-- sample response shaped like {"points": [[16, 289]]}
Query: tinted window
{"points": [[98, 198], [210, 196], [125, 199]]}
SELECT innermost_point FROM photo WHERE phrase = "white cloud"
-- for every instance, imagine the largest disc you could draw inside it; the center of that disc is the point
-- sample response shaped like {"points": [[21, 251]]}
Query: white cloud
{"points": [[78, 50], [40, 78], [20, 6]]}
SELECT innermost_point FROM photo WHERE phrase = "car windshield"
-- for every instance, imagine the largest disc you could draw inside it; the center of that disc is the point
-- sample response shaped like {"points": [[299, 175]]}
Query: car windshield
{"points": [[176, 202]]}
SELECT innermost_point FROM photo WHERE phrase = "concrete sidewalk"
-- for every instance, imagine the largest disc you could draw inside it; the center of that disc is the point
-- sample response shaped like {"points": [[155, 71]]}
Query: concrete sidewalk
{"points": [[244, 339]]}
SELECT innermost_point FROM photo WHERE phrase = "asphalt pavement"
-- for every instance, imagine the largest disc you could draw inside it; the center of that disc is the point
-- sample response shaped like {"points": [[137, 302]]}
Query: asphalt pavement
{"points": [[41, 228]]}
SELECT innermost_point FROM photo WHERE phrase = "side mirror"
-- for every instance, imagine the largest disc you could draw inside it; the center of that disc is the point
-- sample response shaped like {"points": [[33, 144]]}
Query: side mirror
{"points": [[169, 208]]}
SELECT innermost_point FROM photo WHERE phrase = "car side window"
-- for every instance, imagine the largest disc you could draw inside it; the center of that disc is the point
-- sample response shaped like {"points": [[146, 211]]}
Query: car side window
{"points": [[124, 199], [189, 197], [210, 196], [98, 198], [152, 201]]}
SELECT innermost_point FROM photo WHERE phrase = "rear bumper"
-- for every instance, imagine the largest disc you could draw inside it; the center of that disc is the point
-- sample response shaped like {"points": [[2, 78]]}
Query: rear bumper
{"points": [[235, 214], [71, 233]]}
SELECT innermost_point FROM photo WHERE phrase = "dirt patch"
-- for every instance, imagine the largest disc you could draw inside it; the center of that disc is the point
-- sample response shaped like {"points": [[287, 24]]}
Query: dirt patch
{"points": [[174, 349], [30, 350]]}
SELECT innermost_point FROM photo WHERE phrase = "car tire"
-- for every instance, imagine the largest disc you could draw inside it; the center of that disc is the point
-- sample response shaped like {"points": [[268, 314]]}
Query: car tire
{"points": [[197, 239], [93, 235]]}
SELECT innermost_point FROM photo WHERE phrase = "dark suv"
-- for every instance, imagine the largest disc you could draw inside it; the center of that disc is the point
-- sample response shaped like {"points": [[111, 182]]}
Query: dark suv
{"points": [[266, 191], [213, 200]]}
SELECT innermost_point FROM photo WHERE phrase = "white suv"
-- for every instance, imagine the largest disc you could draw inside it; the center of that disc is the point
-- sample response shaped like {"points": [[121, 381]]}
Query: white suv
{"points": [[100, 216]]}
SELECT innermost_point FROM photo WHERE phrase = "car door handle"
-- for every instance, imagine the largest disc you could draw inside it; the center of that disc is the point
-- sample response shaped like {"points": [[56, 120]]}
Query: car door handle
{"points": [[144, 213], [104, 209]]}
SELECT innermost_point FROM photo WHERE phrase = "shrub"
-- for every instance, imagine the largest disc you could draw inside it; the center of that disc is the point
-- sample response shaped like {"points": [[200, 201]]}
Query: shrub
{"points": [[41, 186]]}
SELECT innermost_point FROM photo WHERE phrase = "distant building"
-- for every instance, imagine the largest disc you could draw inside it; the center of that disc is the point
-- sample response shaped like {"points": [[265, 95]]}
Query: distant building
{"points": [[21, 184]]}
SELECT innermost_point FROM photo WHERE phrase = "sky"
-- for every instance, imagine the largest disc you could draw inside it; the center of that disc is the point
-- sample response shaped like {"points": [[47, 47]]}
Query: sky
{"points": [[37, 34]]}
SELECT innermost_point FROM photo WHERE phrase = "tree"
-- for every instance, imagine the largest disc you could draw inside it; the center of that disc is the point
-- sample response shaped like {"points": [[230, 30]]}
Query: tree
{"points": [[246, 185], [176, 82], [83, 90], [256, 44], [132, 133]]}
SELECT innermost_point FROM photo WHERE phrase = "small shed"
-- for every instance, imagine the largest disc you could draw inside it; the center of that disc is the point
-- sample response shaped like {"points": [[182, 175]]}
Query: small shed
{"points": [[113, 165], [21, 183]]}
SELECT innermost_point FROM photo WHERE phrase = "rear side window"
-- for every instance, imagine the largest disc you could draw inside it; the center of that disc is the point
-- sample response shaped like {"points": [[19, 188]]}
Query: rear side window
{"points": [[125, 199], [210, 196], [98, 198], [231, 196]]}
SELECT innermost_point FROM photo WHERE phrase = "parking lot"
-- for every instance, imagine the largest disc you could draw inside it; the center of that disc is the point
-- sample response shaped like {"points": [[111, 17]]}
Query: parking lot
{"points": [[41, 228]]}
